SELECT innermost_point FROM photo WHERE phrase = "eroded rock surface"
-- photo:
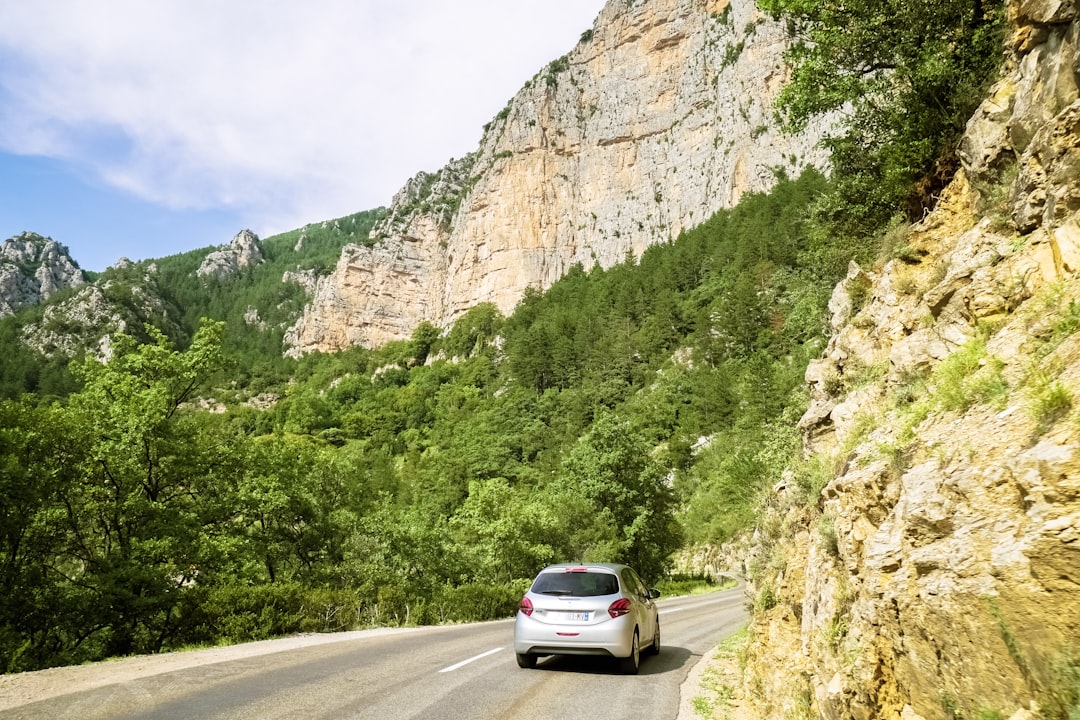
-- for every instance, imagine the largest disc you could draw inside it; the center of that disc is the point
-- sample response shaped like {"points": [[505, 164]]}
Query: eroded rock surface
{"points": [[242, 252], [938, 574], [660, 116], [32, 269]]}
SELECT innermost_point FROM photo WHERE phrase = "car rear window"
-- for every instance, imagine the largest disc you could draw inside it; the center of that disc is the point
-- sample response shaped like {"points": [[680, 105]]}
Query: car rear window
{"points": [[576, 584]]}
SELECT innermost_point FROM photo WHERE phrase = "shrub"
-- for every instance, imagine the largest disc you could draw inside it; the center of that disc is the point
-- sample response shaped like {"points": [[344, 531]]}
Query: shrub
{"points": [[690, 584], [1050, 401], [834, 632], [767, 599], [968, 377], [827, 530], [1061, 696], [241, 613], [475, 602]]}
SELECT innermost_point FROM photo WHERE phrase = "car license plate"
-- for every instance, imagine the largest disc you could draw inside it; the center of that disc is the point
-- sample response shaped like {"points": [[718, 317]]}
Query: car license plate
{"points": [[578, 617]]}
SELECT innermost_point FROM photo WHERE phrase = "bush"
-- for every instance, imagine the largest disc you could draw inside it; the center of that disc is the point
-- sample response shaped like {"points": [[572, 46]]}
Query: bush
{"points": [[969, 376], [1050, 401], [766, 599], [260, 612], [684, 584], [477, 602]]}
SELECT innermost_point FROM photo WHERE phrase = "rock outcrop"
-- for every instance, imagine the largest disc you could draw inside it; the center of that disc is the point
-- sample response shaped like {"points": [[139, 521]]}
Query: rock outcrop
{"points": [[661, 115], [937, 574], [241, 253], [32, 269], [123, 301]]}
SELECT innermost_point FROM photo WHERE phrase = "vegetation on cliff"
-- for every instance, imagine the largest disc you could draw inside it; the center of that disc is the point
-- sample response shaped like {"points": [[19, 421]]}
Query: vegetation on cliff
{"points": [[914, 564], [906, 77]]}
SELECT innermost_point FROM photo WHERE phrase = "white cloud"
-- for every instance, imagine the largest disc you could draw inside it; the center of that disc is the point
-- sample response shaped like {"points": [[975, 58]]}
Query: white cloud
{"points": [[286, 112]]}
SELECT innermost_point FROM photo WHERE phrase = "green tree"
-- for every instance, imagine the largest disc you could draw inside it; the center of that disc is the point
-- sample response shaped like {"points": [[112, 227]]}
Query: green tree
{"points": [[473, 331], [152, 493], [505, 533], [38, 451], [906, 75], [629, 515], [423, 340]]}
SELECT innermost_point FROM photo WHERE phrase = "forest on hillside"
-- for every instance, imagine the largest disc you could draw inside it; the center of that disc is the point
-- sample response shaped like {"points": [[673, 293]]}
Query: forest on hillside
{"points": [[199, 488], [618, 415]]}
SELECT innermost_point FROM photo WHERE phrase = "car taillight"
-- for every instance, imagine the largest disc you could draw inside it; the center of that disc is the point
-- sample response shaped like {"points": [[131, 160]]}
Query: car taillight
{"points": [[619, 608], [526, 606]]}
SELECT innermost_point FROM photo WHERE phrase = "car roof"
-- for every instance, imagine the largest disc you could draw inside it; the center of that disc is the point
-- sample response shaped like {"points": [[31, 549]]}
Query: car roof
{"points": [[606, 567]]}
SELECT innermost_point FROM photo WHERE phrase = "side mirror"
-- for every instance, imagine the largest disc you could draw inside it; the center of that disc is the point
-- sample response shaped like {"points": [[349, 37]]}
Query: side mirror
{"points": [[653, 593]]}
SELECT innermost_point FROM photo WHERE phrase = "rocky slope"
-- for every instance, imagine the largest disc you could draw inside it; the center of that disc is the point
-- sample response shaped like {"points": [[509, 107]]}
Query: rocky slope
{"points": [[660, 116], [937, 572], [123, 300], [32, 269]]}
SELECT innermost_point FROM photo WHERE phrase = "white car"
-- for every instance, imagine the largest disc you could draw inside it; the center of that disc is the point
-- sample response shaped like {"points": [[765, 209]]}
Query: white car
{"points": [[600, 609]]}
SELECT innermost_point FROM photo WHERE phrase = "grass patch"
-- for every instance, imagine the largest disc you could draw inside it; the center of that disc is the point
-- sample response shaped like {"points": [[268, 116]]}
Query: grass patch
{"points": [[1069, 322], [834, 632], [812, 476], [767, 598], [968, 377], [950, 705], [717, 687], [828, 539], [1051, 400], [1060, 696]]}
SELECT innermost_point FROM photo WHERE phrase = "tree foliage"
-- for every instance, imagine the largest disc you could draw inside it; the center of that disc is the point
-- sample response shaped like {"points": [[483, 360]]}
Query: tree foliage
{"points": [[905, 76]]}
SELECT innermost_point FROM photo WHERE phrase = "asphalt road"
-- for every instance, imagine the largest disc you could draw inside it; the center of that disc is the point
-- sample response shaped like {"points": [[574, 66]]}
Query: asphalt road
{"points": [[444, 673]]}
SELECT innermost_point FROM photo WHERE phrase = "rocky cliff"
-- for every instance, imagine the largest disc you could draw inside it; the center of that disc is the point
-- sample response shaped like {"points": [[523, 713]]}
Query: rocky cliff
{"points": [[32, 269], [925, 561], [660, 116]]}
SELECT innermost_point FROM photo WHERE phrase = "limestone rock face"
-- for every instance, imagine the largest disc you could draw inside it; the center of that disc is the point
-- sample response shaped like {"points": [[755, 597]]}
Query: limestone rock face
{"points": [[32, 268], [242, 252], [660, 116], [306, 279], [938, 574], [1025, 133]]}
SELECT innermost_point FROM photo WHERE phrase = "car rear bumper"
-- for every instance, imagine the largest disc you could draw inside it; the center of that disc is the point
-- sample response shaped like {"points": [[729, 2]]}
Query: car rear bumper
{"points": [[613, 638]]}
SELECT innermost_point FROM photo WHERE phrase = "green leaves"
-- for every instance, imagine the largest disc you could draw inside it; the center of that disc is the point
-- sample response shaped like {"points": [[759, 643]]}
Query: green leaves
{"points": [[905, 76], [626, 501]]}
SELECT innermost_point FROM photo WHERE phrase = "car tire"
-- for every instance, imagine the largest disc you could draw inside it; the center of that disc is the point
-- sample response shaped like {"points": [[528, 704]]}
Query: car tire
{"points": [[630, 664], [654, 649], [526, 660]]}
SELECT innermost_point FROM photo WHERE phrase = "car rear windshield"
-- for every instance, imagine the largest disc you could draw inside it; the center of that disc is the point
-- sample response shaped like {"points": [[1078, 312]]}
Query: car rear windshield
{"points": [[576, 584]]}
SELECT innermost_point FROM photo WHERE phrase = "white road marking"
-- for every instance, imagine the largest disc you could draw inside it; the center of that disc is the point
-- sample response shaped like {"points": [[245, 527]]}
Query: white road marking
{"points": [[463, 663]]}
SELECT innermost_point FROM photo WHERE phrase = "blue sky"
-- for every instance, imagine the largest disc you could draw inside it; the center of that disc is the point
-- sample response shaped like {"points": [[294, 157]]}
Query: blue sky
{"points": [[142, 129]]}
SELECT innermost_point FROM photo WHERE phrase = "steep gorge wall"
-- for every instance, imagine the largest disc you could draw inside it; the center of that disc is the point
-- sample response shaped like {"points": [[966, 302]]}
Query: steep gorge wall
{"points": [[938, 576], [660, 116]]}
